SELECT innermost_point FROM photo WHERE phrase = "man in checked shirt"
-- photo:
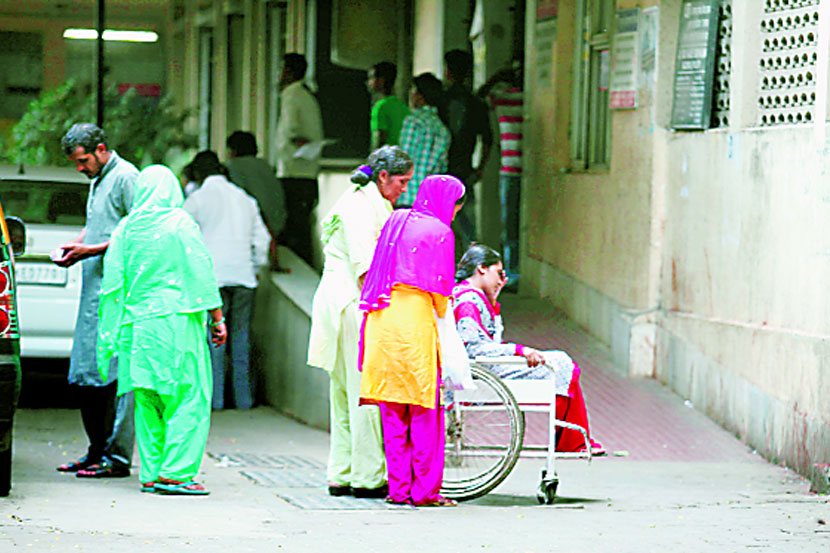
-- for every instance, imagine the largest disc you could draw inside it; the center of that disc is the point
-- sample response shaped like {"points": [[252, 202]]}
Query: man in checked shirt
{"points": [[424, 135]]}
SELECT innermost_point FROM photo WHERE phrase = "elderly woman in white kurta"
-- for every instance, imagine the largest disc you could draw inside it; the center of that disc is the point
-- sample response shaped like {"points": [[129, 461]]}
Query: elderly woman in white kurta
{"points": [[357, 464]]}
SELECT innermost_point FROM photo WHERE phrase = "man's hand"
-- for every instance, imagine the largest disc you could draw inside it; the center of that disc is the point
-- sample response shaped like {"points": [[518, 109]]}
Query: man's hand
{"points": [[219, 334], [69, 254]]}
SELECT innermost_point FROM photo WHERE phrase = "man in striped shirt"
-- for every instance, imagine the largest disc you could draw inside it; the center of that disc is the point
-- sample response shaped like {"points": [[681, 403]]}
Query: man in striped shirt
{"points": [[424, 136], [504, 90]]}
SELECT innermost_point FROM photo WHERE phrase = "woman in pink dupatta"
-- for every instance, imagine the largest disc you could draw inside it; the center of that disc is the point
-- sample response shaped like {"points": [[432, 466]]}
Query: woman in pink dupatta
{"points": [[409, 282]]}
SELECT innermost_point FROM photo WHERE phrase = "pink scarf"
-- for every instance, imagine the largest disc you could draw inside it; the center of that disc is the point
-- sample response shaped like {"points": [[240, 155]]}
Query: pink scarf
{"points": [[416, 246]]}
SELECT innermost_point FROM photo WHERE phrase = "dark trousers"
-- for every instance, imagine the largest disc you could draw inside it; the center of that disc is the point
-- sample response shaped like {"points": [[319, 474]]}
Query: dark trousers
{"points": [[300, 198], [234, 355], [109, 423], [464, 225]]}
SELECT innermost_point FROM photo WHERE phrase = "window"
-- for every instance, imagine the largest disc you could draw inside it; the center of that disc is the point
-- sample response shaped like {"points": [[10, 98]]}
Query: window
{"points": [[590, 116], [21, 56]]}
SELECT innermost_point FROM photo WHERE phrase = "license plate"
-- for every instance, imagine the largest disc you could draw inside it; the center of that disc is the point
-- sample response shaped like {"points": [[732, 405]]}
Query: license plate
{"points": [[41, 273]]}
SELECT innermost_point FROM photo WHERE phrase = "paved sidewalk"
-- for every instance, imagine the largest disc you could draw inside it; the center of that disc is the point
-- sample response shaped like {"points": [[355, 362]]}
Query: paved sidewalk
{"points": [[638, 416], [685, 486]]}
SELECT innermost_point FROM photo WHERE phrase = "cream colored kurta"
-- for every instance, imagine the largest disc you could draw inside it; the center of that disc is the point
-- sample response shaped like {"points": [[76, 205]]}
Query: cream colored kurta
{"points": [[350, 232]]}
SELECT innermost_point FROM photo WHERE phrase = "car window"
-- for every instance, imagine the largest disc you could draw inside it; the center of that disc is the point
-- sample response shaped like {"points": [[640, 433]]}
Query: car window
{"points": [[45, 202]]}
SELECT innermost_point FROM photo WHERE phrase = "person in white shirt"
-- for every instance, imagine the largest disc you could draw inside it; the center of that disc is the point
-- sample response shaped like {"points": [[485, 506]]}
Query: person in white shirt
{"points": [[299, 124], [237, 240]]}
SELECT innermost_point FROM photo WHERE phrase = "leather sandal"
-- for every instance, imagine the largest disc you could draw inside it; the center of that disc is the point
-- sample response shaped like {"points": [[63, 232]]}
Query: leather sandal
{"points": [[104, 469], [80, 464]]}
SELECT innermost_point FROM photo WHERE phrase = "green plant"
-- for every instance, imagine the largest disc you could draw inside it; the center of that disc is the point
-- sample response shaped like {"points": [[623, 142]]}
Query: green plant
{"points": [[142, 130]]}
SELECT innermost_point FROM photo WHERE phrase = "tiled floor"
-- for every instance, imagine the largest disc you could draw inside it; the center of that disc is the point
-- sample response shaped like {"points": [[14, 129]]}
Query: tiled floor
{"points": [[633, 415]]}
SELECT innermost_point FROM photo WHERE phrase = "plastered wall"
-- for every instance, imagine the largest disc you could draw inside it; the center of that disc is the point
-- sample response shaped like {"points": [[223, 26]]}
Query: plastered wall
{"points": [[588, 234], [710, 249], [746, 261]]}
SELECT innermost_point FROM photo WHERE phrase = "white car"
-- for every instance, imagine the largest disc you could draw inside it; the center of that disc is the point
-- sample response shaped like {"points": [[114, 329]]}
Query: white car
{"points": [[52, 203]]}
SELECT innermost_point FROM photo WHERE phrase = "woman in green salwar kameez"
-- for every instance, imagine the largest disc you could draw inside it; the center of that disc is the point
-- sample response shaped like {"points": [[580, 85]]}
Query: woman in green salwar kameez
{"points": [[158, 293]]}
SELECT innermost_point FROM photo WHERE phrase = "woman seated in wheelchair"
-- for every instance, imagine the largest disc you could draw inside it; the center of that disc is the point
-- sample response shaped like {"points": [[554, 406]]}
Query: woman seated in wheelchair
{"points": [[480, 277]]}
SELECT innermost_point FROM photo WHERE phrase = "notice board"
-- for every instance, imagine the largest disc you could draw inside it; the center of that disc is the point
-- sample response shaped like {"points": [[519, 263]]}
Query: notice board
{"points": [[625, 61], [695, 65]]}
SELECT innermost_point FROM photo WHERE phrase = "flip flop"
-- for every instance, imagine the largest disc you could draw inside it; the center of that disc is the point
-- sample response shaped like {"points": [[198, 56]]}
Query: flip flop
{"points": [[179, 488], [148, 487], [104, 469], [75, 466], [440, 501]]}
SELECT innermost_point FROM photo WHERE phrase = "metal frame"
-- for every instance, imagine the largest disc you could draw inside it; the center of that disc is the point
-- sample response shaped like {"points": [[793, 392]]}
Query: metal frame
{"points": [[549, 481]]}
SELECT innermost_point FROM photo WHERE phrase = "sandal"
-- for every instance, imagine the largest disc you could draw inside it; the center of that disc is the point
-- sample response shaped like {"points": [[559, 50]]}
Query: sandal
{"points": [[596, 450], [170, 487], [104, 469], [148, 487], [75, 466], [440, 501]]}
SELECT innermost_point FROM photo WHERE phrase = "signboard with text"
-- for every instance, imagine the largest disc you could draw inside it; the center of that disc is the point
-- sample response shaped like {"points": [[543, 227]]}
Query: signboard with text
{"points": [[625, 61], [695, 65]]}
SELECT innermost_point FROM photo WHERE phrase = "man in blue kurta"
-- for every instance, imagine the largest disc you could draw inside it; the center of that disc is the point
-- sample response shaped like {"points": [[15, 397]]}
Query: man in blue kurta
{"points": [[107, 419]]}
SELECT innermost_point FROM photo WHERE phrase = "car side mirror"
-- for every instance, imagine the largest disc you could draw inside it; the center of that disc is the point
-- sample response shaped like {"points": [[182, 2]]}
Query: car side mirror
{"points": [[17, 234]]}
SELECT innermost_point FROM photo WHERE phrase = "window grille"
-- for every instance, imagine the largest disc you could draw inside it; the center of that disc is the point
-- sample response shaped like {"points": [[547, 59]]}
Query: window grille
{"points": [[787, 88], [723, 67]]}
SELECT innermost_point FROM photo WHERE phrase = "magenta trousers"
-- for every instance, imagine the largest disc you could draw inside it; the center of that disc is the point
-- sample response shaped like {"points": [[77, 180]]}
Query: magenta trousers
{"points": [[413, 437]]}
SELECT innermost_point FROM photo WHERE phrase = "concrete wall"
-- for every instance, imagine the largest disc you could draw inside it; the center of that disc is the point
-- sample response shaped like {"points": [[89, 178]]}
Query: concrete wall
{"points": [[745, 333], [282, 320], [700, 257], [587, 234]]}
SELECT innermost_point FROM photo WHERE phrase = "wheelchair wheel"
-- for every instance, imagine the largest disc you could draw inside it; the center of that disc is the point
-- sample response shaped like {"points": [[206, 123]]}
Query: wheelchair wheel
{"points": [[484, 435]]}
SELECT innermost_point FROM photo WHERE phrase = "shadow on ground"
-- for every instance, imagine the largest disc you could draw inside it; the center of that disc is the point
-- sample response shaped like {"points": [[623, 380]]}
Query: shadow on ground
{"points": [[508, 500]]}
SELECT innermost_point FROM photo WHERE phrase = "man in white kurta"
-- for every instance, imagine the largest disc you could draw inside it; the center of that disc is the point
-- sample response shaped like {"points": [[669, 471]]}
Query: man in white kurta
{"points": [[350, 232]]}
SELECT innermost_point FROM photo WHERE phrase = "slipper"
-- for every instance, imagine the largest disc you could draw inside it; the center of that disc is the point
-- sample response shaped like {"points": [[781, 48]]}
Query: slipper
{"points": [[596, 450], [75, 466], [148, 487], [180, 488], [104, 469], [440, 501]]}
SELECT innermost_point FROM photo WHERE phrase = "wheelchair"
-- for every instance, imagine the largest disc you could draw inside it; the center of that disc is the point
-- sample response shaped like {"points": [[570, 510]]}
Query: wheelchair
{"points": [[485, 433]]}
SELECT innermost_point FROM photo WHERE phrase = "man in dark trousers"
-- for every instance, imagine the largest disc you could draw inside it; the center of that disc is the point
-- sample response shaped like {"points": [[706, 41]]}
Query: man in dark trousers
{"points": [[107, 419], [300, 124], [468, 118]]}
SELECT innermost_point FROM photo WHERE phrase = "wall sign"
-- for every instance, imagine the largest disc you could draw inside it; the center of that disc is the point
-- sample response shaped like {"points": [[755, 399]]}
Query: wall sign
{"points": [[625, 66], [545, 42], [695, 65]]}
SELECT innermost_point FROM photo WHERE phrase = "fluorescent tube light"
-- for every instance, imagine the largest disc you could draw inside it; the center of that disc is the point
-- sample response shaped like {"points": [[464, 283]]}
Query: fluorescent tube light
{"points": [[110, 34]]}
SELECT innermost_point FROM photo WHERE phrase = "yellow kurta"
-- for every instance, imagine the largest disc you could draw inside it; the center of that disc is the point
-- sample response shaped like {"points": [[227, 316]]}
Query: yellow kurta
{"points": [[400, 353]]}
